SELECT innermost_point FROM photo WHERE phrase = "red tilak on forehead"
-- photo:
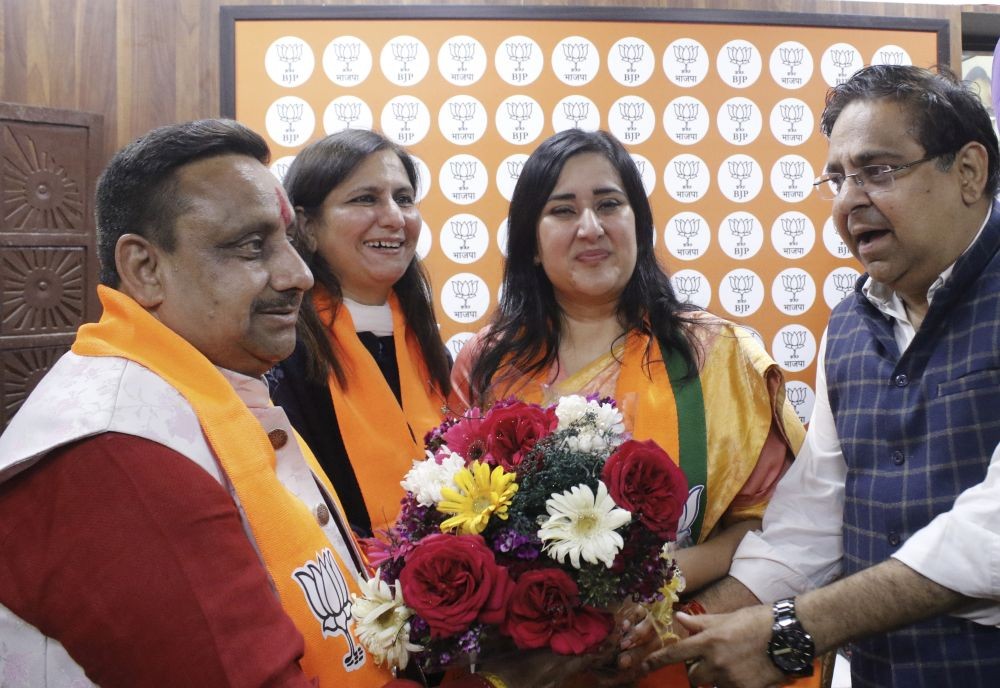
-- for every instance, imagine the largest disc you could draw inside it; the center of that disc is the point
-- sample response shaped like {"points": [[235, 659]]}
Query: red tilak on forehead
{"points": [[283, 206]]}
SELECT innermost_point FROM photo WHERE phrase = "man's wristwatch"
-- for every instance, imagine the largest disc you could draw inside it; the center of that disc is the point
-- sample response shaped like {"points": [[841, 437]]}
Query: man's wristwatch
{"points": [[791, 649]]}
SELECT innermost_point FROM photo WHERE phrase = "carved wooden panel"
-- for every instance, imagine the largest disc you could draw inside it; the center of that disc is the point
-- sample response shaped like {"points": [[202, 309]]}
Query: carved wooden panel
{"points": [[43, 172], [49, 163], [20, 371], [41, 290]]}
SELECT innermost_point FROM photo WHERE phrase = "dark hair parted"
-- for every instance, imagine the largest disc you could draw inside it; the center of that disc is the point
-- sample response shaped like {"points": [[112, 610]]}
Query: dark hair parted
{"points": [[318, 169], [526, 328], [138, 193], [945, 114]]}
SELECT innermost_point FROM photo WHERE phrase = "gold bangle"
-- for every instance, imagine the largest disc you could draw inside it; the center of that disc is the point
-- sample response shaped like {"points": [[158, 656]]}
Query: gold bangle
{"points": [[495, 680]]}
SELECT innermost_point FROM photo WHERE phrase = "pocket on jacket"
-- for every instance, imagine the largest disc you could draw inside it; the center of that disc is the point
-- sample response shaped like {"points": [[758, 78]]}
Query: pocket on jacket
{"points": [[977, 379]]}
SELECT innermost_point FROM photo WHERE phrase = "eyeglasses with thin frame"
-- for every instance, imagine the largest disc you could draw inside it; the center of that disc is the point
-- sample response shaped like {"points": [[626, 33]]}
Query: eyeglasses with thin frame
{"points": [[871, 178]]}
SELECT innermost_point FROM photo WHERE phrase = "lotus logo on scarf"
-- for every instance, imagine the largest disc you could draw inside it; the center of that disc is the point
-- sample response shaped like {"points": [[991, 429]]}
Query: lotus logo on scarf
{"points": [[688, 517], [330, 601]]}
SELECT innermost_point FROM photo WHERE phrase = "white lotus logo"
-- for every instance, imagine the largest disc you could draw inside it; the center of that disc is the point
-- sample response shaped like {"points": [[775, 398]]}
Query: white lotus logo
{"points": [[689, 516], [330, 601]]}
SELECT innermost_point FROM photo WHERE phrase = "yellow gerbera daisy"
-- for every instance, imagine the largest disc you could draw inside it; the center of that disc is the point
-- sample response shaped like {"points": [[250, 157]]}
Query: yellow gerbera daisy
{"points": [[480, 495]]}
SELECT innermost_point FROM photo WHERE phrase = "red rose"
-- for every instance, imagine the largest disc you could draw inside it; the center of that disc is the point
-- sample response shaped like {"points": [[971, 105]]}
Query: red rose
{"points": [[453, 580], [545, 610], [512, 430], [642, 478]]}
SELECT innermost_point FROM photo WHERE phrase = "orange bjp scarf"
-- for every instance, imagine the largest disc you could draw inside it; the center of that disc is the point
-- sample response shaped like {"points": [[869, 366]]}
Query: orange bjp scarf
{"points": [[382, 437], [284, 529], [643, 393]]}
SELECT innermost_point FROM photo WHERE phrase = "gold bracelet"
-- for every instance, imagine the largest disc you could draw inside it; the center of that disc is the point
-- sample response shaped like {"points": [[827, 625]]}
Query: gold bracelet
{"points": [[495, 680]]}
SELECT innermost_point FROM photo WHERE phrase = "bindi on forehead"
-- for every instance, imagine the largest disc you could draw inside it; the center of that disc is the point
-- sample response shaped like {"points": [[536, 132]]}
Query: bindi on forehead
{"points": [[284, 207]]}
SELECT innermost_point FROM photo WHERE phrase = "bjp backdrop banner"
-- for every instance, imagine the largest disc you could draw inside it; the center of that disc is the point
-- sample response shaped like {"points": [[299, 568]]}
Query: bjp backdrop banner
{"points": [[720, 111]]}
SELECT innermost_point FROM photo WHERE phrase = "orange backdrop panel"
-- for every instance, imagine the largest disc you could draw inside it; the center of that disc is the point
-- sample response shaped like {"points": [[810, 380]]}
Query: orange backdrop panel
{"points": [[737, 224]]}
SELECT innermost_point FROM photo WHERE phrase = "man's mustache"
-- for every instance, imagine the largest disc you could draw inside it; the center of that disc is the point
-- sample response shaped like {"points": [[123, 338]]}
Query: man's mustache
{"points": [[283, 301]]}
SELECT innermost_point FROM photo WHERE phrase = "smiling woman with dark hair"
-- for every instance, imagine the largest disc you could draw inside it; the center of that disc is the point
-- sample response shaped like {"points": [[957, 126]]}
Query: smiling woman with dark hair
{"points": [[587, 309], [370, 373]]}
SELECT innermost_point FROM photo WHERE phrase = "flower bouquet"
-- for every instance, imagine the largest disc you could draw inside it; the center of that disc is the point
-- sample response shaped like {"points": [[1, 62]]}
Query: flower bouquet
{"points": [[525, 523]]}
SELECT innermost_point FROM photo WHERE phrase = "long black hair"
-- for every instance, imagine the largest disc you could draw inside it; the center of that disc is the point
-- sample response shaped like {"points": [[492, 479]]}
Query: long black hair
{"points": [[316, 171], [526, 328]]}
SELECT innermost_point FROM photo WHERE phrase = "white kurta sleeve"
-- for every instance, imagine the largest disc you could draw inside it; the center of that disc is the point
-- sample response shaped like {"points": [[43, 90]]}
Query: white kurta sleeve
{"points": [[801, 544], [960, 549]]}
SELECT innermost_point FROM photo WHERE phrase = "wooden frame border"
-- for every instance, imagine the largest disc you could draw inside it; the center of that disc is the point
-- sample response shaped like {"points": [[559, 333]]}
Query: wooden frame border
{"points": [[230, 15]]}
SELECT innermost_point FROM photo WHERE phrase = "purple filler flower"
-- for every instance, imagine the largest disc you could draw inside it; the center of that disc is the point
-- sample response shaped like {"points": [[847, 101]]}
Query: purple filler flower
{"points": [[516, 544]]}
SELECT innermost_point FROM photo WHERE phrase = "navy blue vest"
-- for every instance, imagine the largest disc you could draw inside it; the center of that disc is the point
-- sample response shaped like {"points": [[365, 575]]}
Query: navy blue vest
{"points": [[916, 430]]}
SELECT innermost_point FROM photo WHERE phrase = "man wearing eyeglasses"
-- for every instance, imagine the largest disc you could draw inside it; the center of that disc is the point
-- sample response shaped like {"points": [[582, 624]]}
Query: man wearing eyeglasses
{"points": [[885, 533]]}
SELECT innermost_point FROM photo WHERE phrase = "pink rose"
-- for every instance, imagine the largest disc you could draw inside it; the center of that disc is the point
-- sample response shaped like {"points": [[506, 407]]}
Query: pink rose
{"points": [[545, 611], [642, 478], [513, 429], [453, 580]]}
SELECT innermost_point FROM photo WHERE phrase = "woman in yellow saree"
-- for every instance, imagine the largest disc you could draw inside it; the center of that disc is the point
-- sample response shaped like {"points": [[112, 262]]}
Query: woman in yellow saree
{"points": [[587, 309]]}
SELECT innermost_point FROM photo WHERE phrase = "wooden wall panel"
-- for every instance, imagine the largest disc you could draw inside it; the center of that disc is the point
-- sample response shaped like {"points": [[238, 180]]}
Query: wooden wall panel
{"points": [[147, 92], [62, 53], [144, 63], [14, 53], [94, 63]]}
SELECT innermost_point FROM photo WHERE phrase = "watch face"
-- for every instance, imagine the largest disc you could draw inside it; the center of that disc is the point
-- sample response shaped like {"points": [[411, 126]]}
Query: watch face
{"points": [[792, 651]]}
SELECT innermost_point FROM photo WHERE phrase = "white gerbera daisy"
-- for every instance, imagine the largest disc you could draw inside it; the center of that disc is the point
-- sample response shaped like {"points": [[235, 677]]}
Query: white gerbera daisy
{"points": [[383, 622], [581, 524], [427, 477]]}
